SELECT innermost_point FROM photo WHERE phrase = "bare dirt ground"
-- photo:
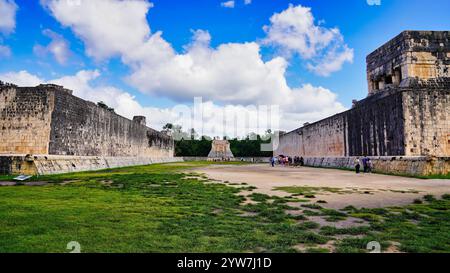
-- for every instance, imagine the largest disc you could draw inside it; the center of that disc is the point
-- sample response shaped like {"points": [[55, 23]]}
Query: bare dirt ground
{"points": [[363, 190]]}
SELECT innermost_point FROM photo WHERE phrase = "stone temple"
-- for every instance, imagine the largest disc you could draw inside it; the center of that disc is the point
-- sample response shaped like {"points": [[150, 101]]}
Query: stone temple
{"points": [[45, 130], [403, 124], [220, 149]]}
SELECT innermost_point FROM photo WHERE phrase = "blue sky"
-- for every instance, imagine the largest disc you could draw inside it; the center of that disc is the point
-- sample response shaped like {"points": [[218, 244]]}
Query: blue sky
{"points": [[362, 27]]}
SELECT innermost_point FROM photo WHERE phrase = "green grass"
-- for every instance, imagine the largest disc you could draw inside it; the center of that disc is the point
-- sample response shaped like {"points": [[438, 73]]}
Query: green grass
{"points": [[434, 176], [333, 215], [143, 209], [171, 208], [311, 206], [159, 168], [419, 228], [7, 177], [317, 250], [332, 231]]}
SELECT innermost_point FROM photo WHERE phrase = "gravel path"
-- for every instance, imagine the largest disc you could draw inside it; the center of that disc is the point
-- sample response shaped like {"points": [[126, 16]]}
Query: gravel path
{"points": [[369, 190]]}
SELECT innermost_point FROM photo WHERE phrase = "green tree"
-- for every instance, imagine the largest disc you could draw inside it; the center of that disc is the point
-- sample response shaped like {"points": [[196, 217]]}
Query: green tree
{"points": [[188, 143]]}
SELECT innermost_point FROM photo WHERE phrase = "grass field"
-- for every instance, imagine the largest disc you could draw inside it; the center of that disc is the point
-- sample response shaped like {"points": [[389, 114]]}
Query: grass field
{"points": [[158, 208]]}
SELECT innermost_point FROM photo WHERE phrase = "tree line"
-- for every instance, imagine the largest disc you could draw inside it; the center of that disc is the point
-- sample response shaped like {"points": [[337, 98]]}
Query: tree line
{"points": [[190, 144]]}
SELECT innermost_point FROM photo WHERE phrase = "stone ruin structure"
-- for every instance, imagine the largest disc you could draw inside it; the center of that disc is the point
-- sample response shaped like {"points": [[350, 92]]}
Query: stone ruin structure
{"points": [[220, 150], [45, 129], [403, 124]]}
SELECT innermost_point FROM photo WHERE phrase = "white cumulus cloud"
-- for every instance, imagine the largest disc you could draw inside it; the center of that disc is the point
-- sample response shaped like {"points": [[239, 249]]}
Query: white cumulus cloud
{"points": [[229, 74], [216, 120], [228, 4], [21, 78], [294, 31], [5, 51], [58, 47], [108, 27], [126, 105], [8, 9]]}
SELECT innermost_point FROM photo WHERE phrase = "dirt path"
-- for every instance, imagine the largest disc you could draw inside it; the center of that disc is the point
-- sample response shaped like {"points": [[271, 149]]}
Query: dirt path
{"points": [[363, 190]]}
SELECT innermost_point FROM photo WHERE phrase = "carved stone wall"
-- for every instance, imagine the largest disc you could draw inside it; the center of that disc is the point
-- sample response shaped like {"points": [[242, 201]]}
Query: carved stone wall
{"points": [[373, 127], [25, 117], [427, 122], [324, 137], [412, 54], [82, 128], [49, 120], [407, 112], [220, 149]]}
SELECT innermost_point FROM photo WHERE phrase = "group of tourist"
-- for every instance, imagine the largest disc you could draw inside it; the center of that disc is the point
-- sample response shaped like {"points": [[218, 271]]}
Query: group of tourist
{"points": [[365, 162], [287, 161]]}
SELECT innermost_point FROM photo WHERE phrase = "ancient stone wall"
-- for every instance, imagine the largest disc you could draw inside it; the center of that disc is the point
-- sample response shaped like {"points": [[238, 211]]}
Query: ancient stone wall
{"points": [[56, 164], [25, 117], [373, 127], [324, 137], [290, 144], [411, 122], [412, 54], [406, 113], [427, 122], [82, 128], [49, 120], [317, 139]]}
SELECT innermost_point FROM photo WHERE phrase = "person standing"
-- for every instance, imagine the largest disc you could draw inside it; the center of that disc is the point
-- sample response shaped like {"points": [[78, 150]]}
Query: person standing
{"points": [[357, 165], [366, 164], [272, 161], [369, 165]]}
